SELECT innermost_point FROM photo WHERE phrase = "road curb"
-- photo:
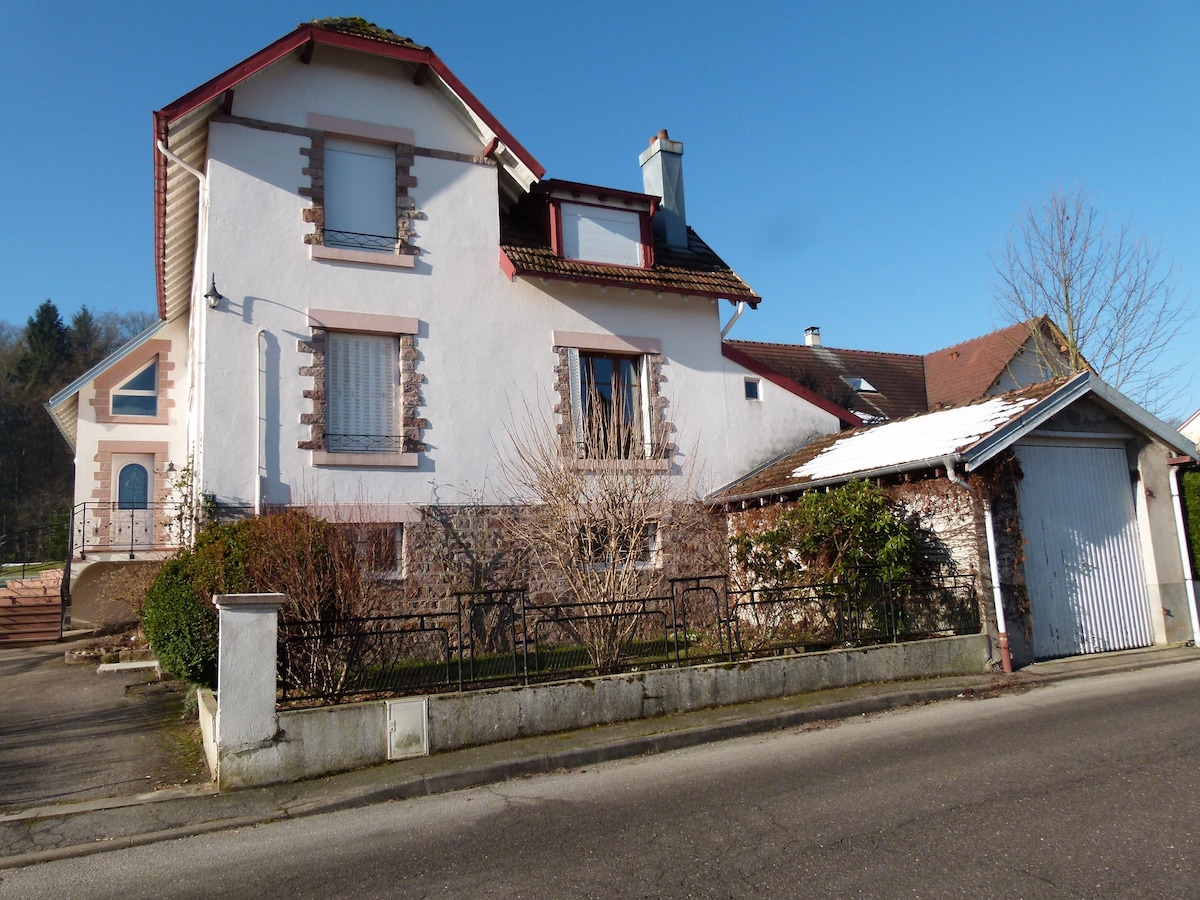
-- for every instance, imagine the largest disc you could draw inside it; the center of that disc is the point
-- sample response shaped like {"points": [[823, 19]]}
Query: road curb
{"points": [[474, 776]]}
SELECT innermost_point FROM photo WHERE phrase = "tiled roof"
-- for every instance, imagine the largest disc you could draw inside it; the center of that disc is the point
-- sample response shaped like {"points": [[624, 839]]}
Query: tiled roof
{"points": [[966, 371], [525, 240], [905, 384], [359, 26], [899, 445], [898, 378]]}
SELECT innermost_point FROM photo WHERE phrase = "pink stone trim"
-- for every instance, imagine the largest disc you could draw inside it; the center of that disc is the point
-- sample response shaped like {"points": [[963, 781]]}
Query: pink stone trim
{"points": [[369, 257], [385, 134], [608, 343], [126, 368], [366, 460], [340, 320]]}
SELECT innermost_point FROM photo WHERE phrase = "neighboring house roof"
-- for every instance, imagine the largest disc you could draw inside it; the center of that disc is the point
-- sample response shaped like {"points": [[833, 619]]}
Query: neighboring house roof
{"points": [[967, 371], [1190, 429], [733, 354], [898, 378], [898, 385], [183, 127], [525, 249], [64, 406], [969, 435]]}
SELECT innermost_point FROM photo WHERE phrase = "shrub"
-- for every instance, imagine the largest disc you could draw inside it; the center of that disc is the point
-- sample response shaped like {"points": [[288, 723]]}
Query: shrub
{"points": [[323, 574], [1190, 488], [836, 536], [180, 625]]}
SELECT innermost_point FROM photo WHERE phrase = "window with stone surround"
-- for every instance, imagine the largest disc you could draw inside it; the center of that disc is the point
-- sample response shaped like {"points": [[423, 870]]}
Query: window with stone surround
{"points": [[610, 403], [360, 174], [366, 390], [135, 389]]}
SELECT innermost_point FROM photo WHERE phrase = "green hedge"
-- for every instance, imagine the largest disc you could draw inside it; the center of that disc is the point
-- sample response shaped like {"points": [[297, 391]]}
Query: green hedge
{"points": [[1190, 484], [179, 618]]}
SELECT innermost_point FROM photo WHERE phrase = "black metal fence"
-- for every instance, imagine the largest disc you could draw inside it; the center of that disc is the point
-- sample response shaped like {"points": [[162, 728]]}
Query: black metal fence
{"points": [[25, 553], [499, 637]]}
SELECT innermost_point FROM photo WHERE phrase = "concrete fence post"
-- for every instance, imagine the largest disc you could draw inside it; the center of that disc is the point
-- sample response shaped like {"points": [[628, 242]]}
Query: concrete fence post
{"points": [[248, 632]]}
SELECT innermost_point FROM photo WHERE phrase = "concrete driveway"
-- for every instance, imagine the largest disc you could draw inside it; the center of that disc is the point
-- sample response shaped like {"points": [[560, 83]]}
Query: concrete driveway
{"points": [[68, 733]]}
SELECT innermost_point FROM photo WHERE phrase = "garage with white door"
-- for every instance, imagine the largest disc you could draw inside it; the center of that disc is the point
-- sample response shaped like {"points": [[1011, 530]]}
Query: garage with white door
{"points": [[1083, 562]]}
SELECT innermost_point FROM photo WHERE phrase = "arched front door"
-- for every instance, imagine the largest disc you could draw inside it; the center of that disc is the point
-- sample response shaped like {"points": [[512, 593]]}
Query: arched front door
{"points": [[133, 517]]}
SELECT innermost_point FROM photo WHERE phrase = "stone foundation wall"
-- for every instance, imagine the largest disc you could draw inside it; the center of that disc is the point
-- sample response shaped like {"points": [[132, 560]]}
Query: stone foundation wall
{"points": [[473, 547]]}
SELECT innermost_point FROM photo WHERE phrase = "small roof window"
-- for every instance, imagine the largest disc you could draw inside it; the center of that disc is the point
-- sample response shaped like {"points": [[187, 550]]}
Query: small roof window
{"points": [[860, 384]]}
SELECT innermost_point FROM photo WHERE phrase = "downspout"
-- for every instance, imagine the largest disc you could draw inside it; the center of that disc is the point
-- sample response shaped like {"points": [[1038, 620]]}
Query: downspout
{"points": [[1184, 556], [196, 387], [737, 314], [993, 567], [260, 378]]}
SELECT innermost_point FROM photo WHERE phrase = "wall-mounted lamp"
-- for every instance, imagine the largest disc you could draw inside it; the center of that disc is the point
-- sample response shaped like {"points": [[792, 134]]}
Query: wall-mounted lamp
{"points": [[170, 468], [212, 295]]}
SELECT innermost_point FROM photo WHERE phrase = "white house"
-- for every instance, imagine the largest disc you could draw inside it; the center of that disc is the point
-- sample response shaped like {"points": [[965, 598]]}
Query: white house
{"points": [[363, 278]]}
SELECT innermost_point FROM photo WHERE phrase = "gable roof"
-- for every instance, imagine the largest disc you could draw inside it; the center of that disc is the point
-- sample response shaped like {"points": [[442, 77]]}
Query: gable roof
{"points": [[182, 126], [64, 406], [968, 370], [525, 249], [904, 384], [969, 435]]}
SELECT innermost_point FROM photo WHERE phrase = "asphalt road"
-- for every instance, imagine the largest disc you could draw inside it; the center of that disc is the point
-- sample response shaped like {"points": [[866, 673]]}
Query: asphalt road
{"points": [[1088, 788], [67, 733]]}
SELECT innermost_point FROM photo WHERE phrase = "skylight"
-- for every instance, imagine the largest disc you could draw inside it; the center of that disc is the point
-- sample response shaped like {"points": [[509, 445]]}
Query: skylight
{"points": [[860, 384]]}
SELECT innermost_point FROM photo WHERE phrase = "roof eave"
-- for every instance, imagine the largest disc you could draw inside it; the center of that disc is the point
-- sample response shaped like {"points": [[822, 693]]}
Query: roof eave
{"points": [[918, 465], [1076, 388], [289, 43], [64, 413], [512, 270]]}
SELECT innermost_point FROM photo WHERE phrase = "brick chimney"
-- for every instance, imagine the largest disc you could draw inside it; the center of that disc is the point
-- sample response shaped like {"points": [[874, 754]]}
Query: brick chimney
{"points": [[662, 176], [812, 336]]}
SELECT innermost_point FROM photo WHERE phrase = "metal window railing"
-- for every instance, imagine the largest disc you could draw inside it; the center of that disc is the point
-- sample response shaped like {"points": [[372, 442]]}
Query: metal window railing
{"points": [[354, 240]]}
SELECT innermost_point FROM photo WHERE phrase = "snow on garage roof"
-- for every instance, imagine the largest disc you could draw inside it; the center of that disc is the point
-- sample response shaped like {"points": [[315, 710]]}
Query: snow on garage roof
{"points": [[930, 436]]}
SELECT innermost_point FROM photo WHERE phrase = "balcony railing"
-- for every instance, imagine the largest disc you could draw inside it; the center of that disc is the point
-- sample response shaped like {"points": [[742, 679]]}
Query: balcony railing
{"points": [[118, 528]]}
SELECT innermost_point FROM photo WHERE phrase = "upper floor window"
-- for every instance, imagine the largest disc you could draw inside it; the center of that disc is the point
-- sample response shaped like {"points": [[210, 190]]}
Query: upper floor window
{"points": [[138, 396], [609, 406], [360, 195], [362, 384], [601, 234]]}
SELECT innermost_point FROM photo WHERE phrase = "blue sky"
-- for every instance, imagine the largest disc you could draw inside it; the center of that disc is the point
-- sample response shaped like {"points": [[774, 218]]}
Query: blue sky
{"points": [[859, 164]]}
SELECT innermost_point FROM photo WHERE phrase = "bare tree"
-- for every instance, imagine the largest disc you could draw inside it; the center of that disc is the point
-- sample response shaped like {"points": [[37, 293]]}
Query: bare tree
{"points": [[595, 514], [1104, 287]]}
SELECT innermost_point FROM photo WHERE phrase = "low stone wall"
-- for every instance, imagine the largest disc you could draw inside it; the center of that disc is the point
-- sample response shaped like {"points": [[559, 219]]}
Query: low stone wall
{"points": [[313, 742]]}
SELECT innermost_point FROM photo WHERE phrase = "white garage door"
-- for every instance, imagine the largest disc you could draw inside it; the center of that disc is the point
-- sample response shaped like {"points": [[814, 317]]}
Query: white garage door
{"points": [[1083, 565]]}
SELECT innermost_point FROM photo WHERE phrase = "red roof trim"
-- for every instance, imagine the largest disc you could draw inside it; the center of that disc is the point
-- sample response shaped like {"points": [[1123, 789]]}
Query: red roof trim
{"points": [[513, 269], [748, 362], [303, 35], [578, 187]]}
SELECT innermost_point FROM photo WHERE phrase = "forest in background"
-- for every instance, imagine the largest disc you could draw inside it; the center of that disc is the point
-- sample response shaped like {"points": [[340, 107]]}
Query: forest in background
{"points": [[37, 360]]}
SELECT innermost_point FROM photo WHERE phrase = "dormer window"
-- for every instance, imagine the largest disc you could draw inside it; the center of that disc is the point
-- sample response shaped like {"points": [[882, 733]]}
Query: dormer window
{"points": [[600, 234], [601, 225]]}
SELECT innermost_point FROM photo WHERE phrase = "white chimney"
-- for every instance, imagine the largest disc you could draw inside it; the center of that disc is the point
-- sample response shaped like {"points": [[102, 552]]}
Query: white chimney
{"points": [[662, 176], [812, 336]]}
